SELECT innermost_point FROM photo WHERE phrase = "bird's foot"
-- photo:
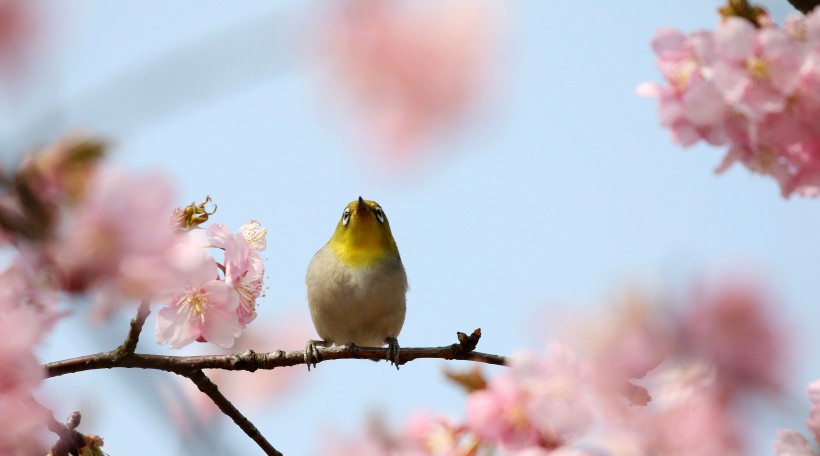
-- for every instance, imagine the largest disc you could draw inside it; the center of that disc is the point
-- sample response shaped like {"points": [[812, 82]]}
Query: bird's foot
{"points": [[312, 353], [393, 351]]}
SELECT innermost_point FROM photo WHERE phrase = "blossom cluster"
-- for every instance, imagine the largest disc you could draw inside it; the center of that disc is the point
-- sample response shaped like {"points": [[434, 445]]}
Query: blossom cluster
{"points": [[751, 87], [791, 443], [70, 225], [206, 307], [651, 380]]}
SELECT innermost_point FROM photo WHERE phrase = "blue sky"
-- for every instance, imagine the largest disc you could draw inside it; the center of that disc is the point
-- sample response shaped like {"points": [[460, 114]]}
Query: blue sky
{"points": [[561, 192]]}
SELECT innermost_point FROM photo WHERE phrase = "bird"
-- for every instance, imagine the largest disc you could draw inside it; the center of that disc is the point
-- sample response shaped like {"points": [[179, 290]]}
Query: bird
{"points": [[357, 285]]}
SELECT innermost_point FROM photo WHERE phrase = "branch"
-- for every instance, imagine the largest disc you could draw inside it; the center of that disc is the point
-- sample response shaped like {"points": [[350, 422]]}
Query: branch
{"points": [[130, 344], [805, 6], [192, 366], [251, 361], [211, 390]]}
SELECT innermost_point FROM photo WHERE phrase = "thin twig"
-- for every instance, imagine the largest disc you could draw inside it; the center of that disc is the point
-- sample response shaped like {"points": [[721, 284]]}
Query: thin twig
{"points": [[211, 390], [130, 344], [69, 442]]}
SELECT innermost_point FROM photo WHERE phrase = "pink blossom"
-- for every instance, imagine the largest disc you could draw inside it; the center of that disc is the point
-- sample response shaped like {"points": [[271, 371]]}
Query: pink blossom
{"points": [[428, 433], [699, 426], [19, 368], [119, 239], [412, 72], [790, 443], [540, 401], [25, 318], [813, 423], [204, 310], [686, 416], [538, 451], [755, 89], [23, 423], [756, 70], [244, 268], [27, 284], [623, 345], [734, 329], [19, 33], [498, 414], [691, 107]]}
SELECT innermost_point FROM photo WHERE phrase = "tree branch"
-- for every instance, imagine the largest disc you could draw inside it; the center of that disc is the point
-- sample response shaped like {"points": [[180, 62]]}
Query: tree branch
{"points": [[251, 361], [211, 390], [130, 344], [192, 366], [805, 6]]}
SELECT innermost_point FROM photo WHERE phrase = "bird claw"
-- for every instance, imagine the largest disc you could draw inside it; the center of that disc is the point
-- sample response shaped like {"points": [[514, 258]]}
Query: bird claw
{"points": [[312, 353], [393, 351]]}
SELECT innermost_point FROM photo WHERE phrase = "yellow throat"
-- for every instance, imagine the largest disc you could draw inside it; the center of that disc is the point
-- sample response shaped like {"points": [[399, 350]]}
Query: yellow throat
{"points": [[362, 237]]}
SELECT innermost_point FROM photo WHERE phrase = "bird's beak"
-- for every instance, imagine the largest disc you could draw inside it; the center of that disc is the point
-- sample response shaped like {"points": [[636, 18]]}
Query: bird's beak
{"points": [[362, 207]]}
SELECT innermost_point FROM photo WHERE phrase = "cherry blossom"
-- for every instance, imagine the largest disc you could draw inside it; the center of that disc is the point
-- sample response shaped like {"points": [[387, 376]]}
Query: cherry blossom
{"points": [[25, 318], [204, 310], [430, 433], [244, 268], [753, 88], [539, 402], [790, 443], [118, 240], [733, 329], [813, 423]]}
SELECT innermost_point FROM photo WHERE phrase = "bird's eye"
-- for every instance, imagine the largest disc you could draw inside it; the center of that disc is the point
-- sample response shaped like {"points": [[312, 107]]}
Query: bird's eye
{"points": [[380, 214], [345, 216]]}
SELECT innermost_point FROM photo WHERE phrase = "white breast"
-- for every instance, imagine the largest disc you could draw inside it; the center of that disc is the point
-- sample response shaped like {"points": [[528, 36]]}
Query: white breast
{"points": [[362, 305]]}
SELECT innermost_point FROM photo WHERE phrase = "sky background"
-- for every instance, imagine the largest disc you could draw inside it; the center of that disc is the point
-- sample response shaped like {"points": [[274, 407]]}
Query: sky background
{"points": [[561, 191]]}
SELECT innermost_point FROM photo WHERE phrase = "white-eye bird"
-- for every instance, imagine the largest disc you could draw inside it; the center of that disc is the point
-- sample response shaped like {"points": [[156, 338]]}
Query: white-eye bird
{"points": [[356, 284]]}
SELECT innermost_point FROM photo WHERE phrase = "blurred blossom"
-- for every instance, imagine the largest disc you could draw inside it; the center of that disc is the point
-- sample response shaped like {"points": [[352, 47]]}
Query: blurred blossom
{"points": [[24, 322], [413, 72], [429, 433], [652, 379], [755, 88], [539, 401], [699, 426], [118, 239], [424, 433], [24, 286], [61, 171], [813, 423], [790, 443], [734, 328], [19, 29], [624, 343], [22, 423]]}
